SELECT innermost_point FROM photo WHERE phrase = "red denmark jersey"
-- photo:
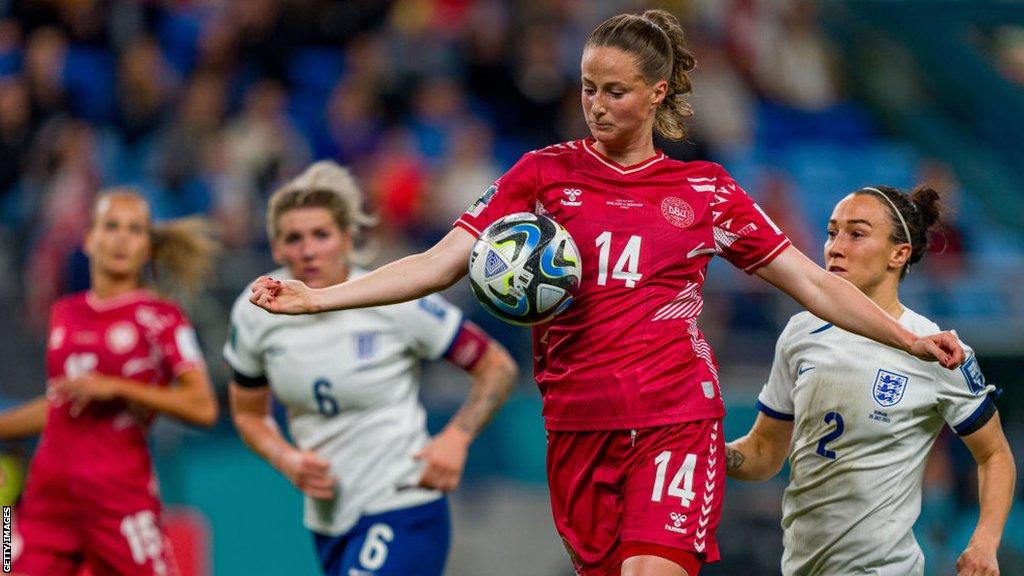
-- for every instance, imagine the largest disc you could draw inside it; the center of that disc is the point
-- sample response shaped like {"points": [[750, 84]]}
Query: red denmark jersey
{"points": [[627, 353], [98, 460]]}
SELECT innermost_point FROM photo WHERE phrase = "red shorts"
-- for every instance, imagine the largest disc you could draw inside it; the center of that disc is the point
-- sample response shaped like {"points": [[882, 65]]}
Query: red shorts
{"points": [[134, 545], [658, 491]]}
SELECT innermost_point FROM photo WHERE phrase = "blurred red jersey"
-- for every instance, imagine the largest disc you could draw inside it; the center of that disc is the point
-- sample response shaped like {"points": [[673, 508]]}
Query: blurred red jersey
{"points": [[627, 353], [98, 461]]}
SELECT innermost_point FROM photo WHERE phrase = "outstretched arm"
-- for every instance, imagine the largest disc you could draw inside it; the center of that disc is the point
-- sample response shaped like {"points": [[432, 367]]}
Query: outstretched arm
{"points": [[996, 479], [494, 376], [760, 454], [24, 420], [250, 410], [190, 399], [406, 279], [832, 298]]}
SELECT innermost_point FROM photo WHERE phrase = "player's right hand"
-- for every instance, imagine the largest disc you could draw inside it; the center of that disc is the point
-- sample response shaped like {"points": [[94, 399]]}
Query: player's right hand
{"points": [[942, 347], [282, 296], [978, 559], [310, 473]]}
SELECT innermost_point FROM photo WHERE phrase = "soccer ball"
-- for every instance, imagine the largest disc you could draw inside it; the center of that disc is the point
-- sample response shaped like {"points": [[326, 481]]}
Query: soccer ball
{"points": [[524, 268]]}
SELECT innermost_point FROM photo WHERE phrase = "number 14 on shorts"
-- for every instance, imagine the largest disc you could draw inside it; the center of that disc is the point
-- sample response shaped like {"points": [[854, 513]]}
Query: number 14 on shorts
{"points": [[681, 485]]}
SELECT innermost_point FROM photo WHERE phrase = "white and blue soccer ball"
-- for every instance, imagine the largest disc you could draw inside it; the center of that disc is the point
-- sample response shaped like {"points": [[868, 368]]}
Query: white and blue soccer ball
{"points": [[524, 268]]}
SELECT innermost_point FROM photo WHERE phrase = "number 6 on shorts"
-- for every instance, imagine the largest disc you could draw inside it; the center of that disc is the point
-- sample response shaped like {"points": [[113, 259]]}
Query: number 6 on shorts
{"points": [[375, 549]]}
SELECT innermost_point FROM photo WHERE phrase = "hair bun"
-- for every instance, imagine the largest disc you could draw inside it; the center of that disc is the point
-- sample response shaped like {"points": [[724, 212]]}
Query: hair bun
{"points": [[927, 202]]}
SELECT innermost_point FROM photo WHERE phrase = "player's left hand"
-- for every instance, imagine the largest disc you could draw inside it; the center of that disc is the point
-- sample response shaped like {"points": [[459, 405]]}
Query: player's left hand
{"points": [[445, 457], [978, 560], [942, 347], [84, 389]]}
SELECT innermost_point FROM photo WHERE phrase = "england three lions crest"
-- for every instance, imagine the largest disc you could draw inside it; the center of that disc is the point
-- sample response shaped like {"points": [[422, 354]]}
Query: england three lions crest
{"points": [[889, 388]]}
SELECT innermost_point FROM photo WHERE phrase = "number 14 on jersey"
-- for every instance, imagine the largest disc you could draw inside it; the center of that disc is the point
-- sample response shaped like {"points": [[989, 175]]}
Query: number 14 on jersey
{"points": [[626, 266]]}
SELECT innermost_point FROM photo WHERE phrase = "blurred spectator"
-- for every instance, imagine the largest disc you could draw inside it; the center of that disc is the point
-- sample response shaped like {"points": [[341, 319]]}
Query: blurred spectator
{"points": [[144, 87], [264, 45], [776, 195], [397, 182], [70, 180], [723, 105], [465, 173], [947, 264], [520, 81], [539, 83], [353, 126], [570, 125], [217, 49], [182, 147], [15, 132], [485, 42], [84, 20], [263, 147], [439, 108], [45, 52], [1009, 52], [785, 52], [948, 259], [10, 47], [236, 202]]}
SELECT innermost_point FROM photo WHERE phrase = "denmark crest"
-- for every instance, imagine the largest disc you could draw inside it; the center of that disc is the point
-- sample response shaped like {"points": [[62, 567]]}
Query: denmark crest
{"points": [[889, 388], [677, 212], [122, 337]]}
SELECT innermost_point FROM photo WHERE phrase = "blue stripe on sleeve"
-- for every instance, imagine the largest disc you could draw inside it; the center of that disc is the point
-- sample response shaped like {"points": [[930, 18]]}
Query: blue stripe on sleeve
{"points": [[455, 334], [773, 413], [822, 329], [981, 415]]}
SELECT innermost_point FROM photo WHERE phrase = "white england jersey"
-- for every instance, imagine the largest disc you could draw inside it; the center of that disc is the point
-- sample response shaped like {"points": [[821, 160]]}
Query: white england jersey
{"points": [[865, 417], [350, 382]]}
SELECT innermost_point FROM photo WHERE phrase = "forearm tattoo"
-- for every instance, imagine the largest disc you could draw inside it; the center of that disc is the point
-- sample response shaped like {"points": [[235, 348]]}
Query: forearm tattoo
{"points": [[478, 410], [733, 458]]}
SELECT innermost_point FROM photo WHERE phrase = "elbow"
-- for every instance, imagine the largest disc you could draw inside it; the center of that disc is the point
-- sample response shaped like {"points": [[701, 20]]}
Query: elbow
{"points": [[446, 271], [452, 275], [1001, 461], [774, 469], [762, 474], [748, 459], [206, 414]]}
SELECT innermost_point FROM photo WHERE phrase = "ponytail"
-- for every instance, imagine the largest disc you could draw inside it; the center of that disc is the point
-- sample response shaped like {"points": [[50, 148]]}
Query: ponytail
{"points": [[183, 253], [669, 120]]}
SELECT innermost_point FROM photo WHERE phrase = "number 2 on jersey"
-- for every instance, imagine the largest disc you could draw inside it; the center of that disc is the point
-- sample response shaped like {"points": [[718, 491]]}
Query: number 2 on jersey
{"points": [[829, 419], [682, 483], [627, 264]]}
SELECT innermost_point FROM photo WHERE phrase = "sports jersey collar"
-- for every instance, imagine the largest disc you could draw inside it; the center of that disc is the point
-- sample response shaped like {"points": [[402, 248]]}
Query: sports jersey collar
{"points": [[588, 145], [100, 304]]}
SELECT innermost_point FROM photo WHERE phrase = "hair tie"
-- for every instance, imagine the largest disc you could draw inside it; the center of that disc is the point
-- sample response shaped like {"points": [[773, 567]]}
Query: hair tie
{"points": [[906, 229]]}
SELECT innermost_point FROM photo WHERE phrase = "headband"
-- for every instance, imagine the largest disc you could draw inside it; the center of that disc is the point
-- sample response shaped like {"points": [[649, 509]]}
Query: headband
{"points": [[906, 229]]}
